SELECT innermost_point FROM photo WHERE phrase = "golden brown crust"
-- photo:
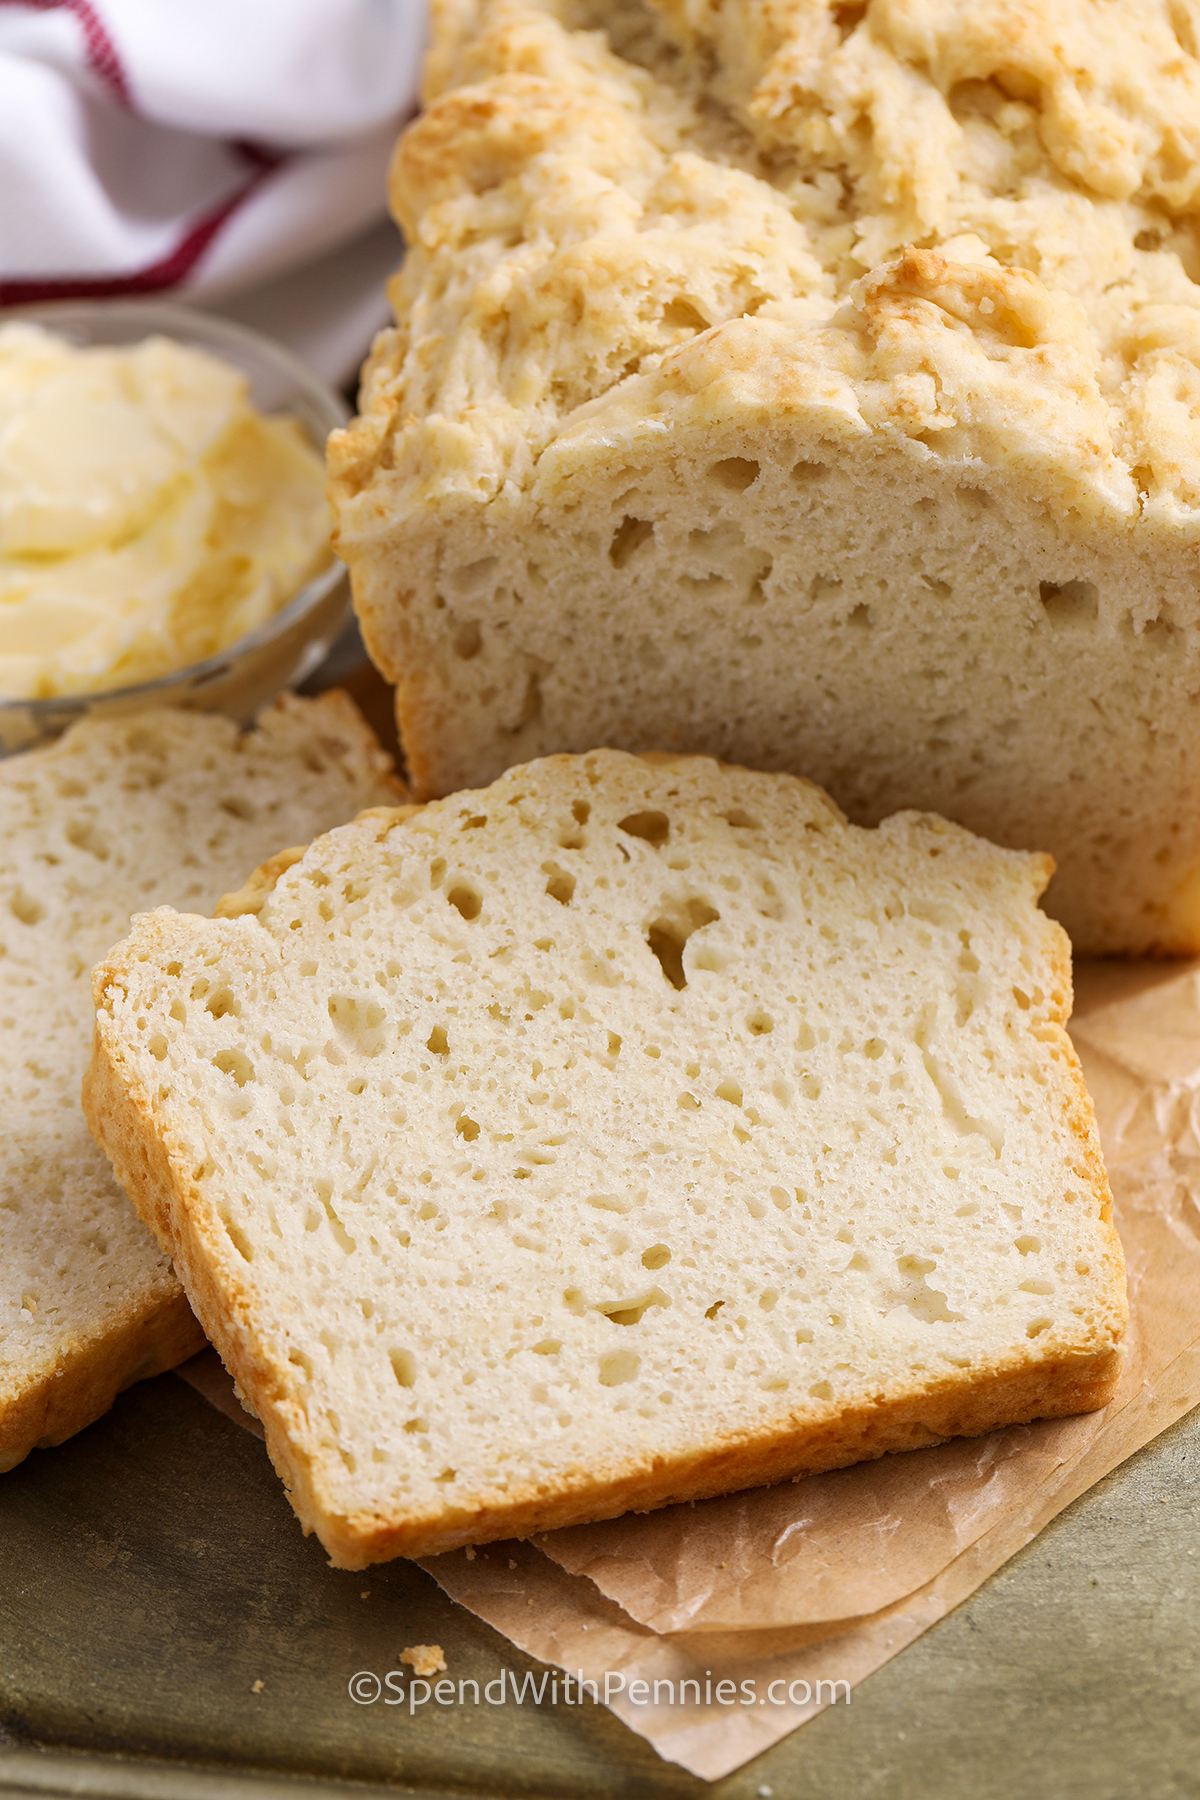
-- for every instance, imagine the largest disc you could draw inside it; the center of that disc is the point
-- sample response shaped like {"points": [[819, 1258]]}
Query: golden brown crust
{"points": [[155, 1177], [257, 889], [1010, 1396], [254, 892], [89, 1377]]}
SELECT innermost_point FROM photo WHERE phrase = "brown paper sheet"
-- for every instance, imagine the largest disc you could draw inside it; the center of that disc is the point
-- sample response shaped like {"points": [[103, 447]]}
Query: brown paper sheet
{"points": [[846, 1569], [826, 1579]]}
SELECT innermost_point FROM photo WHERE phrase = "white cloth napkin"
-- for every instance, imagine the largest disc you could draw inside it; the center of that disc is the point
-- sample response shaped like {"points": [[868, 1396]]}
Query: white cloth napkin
{"points": [[206, 147]]}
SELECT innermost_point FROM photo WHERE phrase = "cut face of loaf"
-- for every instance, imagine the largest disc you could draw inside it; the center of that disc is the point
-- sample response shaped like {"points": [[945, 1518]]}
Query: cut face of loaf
{"points": [[118, 815], [631, 1130], [680, 442]]}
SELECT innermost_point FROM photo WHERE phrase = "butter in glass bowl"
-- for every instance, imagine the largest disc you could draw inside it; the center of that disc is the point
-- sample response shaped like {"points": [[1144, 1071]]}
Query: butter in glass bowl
{"points": [[164, 537], [150, 515]]}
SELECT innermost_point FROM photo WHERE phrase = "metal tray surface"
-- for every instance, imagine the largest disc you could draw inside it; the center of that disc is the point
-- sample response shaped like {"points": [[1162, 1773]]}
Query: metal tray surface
{"points": [[151, 1572]]}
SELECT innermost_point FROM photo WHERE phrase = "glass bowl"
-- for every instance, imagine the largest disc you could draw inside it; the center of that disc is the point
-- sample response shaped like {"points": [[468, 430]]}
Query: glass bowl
{"points": [[278, 654]]}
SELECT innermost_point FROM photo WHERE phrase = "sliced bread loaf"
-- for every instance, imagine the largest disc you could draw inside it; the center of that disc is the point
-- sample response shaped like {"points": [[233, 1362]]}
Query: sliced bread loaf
{"points": [[120, 815], [631, 1130], [813, 386]]}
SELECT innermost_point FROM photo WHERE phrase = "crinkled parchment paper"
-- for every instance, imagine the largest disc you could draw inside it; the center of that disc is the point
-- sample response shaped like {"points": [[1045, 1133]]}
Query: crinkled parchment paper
{"points": [[825, 1579]]}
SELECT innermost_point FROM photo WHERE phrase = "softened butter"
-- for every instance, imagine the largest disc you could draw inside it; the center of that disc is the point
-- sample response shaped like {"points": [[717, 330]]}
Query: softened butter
{"points": [[149, 515]]}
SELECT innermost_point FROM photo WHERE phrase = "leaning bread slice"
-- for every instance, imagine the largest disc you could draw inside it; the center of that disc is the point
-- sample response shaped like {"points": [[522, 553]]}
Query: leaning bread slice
{"points": [[119, 815], [630, 1130]]}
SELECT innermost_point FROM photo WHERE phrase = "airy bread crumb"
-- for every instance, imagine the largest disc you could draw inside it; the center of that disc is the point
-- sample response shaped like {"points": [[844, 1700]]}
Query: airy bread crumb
{"points": [[632, 1130], [120, 814]]}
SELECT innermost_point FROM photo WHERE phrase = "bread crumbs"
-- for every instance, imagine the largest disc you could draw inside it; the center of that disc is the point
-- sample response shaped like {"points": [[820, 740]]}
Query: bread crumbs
{"points": [[424, 1659]]}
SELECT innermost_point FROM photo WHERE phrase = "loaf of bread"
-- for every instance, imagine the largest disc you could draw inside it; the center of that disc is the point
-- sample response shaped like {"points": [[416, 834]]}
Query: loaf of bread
{"points": [[120, 815], [813, 385], [628, 1131]]}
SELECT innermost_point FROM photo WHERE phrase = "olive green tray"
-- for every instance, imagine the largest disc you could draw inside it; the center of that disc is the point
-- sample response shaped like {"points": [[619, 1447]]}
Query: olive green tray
{"points": [[151, 1572]]}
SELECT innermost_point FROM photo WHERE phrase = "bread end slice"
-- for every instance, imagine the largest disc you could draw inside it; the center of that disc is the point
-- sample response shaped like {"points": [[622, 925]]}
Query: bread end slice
{"points": [[118, 814], [149, 1339]]}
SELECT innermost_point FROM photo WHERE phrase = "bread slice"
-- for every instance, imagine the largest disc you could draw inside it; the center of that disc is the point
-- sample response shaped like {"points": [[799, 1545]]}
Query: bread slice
{"points": [[629, 1131], [816, 389], [119, 815]]}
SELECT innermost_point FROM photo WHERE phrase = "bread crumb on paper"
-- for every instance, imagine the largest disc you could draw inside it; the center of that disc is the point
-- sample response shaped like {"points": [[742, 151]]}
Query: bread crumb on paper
{"points": [[424, 1659], [256, 1687]]}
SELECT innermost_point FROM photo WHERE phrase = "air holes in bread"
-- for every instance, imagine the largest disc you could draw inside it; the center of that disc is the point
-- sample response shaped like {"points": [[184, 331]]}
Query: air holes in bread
{"points": [[657, 1257], [465, 900], [760, 1024], [1074, 604], [24, 907], [436, 1041], [652, 827], [466, 1128], [359, 1023], [617, 1203], [560, 885], [629, 536], [668, 936], [739, 820], [631, 1312], [84, 835], [235, 1063], [736, 473], [681, 315], [404, 1368], [467, 640], [666, 943], [618, 1367], [238, 1239]]}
